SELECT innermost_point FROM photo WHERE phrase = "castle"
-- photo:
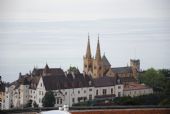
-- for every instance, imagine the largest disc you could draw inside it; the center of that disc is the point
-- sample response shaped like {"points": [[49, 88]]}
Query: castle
{"points": [[100, 66]]}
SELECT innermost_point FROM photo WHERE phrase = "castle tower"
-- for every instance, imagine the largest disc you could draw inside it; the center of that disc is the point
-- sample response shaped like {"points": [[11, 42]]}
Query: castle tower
{"points": [[97, 63], [135, 64], [88, 61]]}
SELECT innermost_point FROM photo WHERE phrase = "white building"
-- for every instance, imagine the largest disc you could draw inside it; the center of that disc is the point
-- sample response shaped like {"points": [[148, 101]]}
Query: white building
{"points": [[135, 89], [68, 88]]}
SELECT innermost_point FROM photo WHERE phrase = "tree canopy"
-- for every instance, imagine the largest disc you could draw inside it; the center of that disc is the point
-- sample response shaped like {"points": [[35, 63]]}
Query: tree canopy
{"points": [[73, 69], [49, 99], [159, 80]]}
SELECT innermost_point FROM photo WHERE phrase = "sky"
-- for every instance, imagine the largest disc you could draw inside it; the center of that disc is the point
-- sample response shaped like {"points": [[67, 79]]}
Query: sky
{"points": [[36, 32]]}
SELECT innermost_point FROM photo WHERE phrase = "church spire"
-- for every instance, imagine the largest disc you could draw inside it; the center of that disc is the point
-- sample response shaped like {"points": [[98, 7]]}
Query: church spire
{"points": [[98, 55], [88, 52]]}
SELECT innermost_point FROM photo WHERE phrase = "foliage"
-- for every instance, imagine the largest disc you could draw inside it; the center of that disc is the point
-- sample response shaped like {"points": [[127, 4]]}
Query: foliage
{"points": [[49, 99], [73, 69], [29, 104], [35, 104], [152, 99], [153, 78], [165, 72]]}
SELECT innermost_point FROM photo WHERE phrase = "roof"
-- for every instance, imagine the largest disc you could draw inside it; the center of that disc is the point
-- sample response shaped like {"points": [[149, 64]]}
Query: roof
{"points": [[105, 61], [51, 71], [121, 69], [105, 81], [65, 82], [127, 79], [135, 86], [55, 82], [2, 86], [56, 71]]}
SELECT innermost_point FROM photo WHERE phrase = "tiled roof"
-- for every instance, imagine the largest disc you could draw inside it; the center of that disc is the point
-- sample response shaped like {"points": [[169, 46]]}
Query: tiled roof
{"points": [[135, 86], [55, 82], [105, 61], [121, 69], [128, 79], [105, 81], [65, 82]]}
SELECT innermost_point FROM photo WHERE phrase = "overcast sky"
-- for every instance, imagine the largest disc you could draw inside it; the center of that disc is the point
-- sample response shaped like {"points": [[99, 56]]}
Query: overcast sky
{"points": [[33, 32], [57, 10]]}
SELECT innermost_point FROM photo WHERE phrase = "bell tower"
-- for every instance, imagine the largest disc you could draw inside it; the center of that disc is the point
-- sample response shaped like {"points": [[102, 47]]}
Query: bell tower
{"points": [[88, 61], [97, 63]]}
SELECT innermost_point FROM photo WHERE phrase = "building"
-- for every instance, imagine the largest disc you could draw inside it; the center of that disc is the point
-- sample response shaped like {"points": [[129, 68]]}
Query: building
{"points": [[100, 66], [135, 89], [2, 94], [98, 81], [68, 88]]}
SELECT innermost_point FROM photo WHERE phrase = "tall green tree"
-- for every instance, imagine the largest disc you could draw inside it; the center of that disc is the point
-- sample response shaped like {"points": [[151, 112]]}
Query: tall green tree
{"points": [[49, 99]]}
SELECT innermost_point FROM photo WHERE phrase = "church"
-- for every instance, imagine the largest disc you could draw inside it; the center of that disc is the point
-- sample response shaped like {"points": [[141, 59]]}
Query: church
{"points": [[99, 80], [100, 66]]}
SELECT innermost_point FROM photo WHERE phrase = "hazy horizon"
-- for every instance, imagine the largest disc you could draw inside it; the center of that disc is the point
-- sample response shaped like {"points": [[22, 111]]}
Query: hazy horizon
{"points": [[36, 32]]}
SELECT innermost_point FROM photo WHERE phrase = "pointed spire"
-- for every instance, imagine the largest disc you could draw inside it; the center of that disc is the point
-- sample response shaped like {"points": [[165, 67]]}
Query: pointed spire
{"points": [[88, 52], [46, 67], [98, 55]]}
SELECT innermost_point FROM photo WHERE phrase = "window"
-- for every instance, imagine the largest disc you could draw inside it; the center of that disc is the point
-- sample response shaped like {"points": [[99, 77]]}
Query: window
{"points": [[78, 92], [90, 89], [60, 101], [90, 97], [41, 84], [39, 100], [119, 94], [94, 67], [65, 93], [85, 66], [97, 92], [73, 100], [84, 91], [111, 90], [104, 91], [119, 87]]}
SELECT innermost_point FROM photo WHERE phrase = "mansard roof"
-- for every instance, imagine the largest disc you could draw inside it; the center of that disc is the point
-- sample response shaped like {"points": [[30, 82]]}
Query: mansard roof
{"points": [[105, 61], [55, 82], [121, 69], [52, 71], [65, 82]]}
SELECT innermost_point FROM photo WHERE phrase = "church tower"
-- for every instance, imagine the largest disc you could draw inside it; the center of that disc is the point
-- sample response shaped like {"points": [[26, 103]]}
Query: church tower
{"points": [[97, 63], [88, 61]]}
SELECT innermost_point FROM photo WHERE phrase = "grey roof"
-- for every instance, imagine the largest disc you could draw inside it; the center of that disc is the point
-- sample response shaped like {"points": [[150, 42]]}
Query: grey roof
{"points": [[52, 71], [128, 79], [2, 86], [105, 61], [55, 82], [106, 81], [121, 69], [65, 82]]}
